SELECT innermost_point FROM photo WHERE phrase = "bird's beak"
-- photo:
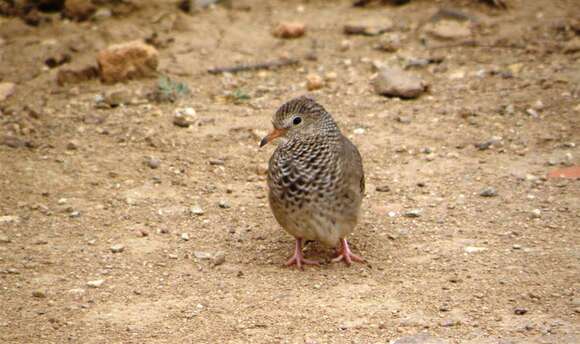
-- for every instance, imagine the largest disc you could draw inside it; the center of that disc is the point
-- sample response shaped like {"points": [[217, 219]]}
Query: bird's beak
{"points": [[277, 132]]}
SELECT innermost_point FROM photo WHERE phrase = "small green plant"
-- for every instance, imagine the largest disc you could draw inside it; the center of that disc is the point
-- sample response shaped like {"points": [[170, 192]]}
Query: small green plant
{"points": [[168, 90], [238, 96]]}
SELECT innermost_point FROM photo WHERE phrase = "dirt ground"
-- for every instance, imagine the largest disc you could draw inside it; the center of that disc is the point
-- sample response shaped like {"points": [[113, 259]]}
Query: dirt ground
{"points": [[76, 181]]}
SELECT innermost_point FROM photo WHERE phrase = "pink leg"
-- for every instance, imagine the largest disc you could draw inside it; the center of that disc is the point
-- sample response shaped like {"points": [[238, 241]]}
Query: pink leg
{"points": [[346, 254], [298, 258]]}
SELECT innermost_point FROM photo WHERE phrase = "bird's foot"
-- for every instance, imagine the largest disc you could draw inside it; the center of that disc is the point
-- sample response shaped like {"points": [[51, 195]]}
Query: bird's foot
{"points": [[299, 261], [346, 255], [298, 258]]}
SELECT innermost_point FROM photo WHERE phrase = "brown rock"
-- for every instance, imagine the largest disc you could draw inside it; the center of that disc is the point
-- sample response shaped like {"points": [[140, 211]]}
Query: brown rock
{"points": [[449, 29], [74, 76], [79, 10], [125, 61], [289, 30], [395, 82], [314, 82]]}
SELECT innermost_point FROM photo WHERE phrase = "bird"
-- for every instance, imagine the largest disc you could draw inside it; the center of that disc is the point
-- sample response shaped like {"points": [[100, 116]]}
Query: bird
{"points": [[315, 179]]}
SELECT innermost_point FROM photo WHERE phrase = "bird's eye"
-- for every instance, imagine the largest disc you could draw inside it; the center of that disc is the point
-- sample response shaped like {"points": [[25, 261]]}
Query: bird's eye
{"points": [[297, 120]]}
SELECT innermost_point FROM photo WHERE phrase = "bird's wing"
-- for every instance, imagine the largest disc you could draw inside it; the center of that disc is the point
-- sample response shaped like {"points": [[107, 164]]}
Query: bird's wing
{"points": [[353, 161]]}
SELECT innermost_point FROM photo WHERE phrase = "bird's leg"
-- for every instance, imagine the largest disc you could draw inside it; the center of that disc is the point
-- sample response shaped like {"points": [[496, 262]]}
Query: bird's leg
{"points": [[344, 253], [298, 258]]}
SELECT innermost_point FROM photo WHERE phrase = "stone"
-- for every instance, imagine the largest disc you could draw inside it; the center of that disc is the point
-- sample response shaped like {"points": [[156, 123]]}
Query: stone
{"points": [[95, 283], [217, 258], [289, 30], [72, 145], [395, 82], [126, 61], [79, 10], [474, 249], [536, 214], [488, 192], [195, 210], [153, 162], [6, 90], [520, 311], [41, 294], [184, 117], [448, 29], [217, 162], [117, 248], [413, 213], [314, 82], [421, 338], [224, 204], [184, 237]]}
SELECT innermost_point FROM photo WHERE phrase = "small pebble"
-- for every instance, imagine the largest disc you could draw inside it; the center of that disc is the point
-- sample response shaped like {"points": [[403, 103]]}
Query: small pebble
{"points": [[224, 204], [41, 294], [520, 311], [216, 162], [195, 210], [536, 214], [153, 162], [118, 248], [72, 145], [314, 82], [474, 249], [96, 283], [413, 213], [289, 30], [488, 192], [184, 236], [184, 117], [532, 113], [218, 259]]}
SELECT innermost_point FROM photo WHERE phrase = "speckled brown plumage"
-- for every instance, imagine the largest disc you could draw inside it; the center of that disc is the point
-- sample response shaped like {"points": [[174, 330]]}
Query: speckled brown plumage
{"points": [[315, 178]]}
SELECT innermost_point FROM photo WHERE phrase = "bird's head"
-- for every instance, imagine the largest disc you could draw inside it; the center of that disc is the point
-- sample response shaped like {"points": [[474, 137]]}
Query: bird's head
{"points": [[301, 116]]}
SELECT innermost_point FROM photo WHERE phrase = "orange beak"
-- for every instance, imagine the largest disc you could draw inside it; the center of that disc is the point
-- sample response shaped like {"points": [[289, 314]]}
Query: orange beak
{"points": [[271, 136]]}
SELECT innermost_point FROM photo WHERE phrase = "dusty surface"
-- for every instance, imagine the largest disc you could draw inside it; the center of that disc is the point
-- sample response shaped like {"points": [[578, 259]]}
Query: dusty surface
{"points": [[460, 271]]}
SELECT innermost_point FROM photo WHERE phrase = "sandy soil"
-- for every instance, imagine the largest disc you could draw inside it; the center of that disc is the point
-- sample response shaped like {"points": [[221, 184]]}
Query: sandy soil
{"points": [[468, 269]]}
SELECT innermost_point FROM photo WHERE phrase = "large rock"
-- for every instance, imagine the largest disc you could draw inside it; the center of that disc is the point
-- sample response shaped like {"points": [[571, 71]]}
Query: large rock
{"points": [[125, 61], [395, 82]]}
